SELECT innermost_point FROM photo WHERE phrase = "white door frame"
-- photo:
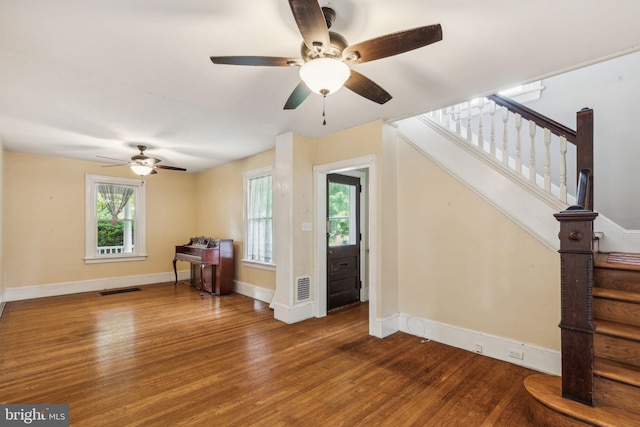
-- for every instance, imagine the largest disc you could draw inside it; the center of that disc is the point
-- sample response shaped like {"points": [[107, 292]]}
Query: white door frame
{"points": [[320, 173]]}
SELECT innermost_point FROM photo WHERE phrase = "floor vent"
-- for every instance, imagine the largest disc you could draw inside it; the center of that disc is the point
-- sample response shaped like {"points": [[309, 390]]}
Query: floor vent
{"points": [[120, 291], [303, 288]]}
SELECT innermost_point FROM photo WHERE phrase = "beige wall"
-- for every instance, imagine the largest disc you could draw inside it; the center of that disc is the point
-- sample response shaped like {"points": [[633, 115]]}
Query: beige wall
{"points": [[379, 139], [44, 241], [303, 203], [464, 263], [444, 253], [2, 227], [219, 207], [349, 144]]}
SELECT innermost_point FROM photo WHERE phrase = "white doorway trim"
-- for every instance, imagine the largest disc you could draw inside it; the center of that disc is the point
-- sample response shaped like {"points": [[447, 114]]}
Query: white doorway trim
{"points": [[320, 173]]}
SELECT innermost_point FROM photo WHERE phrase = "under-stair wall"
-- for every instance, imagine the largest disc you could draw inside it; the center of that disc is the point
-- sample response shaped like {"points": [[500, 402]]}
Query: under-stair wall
{"points": [[520, 200], [469, 276]]}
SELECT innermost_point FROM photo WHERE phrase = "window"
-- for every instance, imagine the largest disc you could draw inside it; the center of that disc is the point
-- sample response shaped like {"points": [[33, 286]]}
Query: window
{"points": [[258, 245], [342, 214], [115, 219]]}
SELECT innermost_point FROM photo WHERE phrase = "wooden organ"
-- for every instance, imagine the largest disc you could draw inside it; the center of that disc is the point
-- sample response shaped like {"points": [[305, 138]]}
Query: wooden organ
{"points": [[212, 268]]}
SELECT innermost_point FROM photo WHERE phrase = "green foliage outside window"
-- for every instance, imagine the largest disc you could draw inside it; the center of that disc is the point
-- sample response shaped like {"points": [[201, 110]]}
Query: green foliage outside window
{"points": [[339, 199], [110, 235]]}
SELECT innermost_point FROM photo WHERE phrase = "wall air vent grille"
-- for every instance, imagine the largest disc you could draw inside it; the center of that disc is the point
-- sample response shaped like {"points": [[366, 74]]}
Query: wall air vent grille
{"points": [[303, 288]]}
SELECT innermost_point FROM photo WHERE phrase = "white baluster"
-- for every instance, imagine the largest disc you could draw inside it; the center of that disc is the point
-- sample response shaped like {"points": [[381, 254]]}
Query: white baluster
{"points": [[532, 152], [518, 144], [457, 119], [481, 126], [492, 138], [563, 169], [547, 160], [447, 121], [505, 137], [469, 133]]}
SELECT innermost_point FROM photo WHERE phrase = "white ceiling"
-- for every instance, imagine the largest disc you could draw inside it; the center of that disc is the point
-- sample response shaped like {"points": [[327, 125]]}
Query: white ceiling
{"points": [[87, 78]]}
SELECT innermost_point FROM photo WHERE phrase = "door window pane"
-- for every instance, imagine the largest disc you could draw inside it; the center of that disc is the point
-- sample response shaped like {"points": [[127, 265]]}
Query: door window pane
{"points": [[342, 214]]}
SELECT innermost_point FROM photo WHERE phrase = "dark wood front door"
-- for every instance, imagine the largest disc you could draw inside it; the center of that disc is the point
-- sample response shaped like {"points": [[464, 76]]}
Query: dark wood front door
{"points": [[343, 240]]}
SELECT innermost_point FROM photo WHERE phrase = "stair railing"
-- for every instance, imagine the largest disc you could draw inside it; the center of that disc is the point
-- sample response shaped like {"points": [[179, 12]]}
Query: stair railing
{"points": [[582, 138], [541, 158], [576, 293], [576, 222], [576, 255]]}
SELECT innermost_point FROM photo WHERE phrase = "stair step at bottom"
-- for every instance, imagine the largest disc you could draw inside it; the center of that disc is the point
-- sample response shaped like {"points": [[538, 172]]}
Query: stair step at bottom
{"points": [[616, 311], [550, 408], [617, 295], [617, 349], [616, 394], [617, 371], [616, 329]]}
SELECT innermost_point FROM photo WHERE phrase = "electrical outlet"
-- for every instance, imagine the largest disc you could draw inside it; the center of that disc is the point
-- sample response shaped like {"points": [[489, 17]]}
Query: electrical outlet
{"points": [[478, 349], [516, 354]]}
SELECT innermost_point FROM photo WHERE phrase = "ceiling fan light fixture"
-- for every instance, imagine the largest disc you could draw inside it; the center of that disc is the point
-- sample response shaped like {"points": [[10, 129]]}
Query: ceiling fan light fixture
{"points": [[324, 75], [141, 169]]}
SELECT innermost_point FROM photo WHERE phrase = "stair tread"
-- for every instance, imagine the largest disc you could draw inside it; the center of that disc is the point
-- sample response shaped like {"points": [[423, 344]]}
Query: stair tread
{"points": [[618, 260], [617, 371], [547, 389], [620, 330], [618, 295]]}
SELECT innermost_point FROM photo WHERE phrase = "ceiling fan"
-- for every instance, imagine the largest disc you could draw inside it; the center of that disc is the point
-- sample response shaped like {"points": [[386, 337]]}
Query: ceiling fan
{"points": [[142, 165], [326, 55]]}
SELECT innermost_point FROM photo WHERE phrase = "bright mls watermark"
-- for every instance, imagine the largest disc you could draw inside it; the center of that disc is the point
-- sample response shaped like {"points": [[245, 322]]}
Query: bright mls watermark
{"points": [[34, 415]]}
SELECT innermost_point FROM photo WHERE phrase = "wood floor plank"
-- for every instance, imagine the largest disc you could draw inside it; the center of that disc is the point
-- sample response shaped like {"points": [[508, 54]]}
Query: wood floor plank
{"points": [[166, 356]]}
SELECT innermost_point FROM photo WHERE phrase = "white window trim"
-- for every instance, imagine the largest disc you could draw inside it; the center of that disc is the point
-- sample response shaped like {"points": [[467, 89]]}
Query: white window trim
{"points": [[259, 265], [255, 173], [91, 255]]}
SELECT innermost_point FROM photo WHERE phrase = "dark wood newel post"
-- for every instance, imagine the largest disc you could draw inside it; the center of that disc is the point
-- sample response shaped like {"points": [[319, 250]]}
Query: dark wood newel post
{"points": [[584, 146], [576, 324]]}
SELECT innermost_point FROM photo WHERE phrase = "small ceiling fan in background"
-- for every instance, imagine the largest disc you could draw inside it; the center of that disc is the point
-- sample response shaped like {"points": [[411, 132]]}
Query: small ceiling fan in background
{"points": [[326, 55], [142, 165]]}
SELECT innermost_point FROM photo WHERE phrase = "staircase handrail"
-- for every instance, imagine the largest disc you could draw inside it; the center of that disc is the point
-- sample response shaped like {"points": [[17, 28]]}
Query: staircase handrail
{"points": [[527, 113], [582, 137], [585, 179]]}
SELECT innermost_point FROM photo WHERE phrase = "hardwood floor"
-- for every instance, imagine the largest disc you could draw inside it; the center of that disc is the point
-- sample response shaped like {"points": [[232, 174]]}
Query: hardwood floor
{"points": [[165, 357]]}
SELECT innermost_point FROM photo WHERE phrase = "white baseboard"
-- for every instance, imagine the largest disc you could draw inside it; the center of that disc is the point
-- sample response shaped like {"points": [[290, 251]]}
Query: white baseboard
{"points": [[381, 328], [534, 357], [253, 291], [2, 302], [65, 288], [615, 238], [293, 314]]}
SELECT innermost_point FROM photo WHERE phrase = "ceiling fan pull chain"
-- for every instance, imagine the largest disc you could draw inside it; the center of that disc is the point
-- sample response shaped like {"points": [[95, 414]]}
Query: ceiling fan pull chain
{"points": [[324, 93]]}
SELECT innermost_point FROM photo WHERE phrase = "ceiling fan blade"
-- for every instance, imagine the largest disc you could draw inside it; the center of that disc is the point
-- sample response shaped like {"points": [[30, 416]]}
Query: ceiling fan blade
{"points": [[311, 23], [392, 44], [173, 168], [111, 158], [269, 61], [297, 97], [367, 88]]}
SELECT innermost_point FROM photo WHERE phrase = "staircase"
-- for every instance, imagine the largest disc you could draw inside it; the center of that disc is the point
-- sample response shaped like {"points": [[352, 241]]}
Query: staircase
{"points": [[600, 292], [616, 363]]}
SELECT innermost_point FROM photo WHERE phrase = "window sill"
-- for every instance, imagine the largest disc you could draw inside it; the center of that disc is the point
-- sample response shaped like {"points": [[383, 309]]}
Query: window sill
{"points": [[113, 258], [259, 265]]}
